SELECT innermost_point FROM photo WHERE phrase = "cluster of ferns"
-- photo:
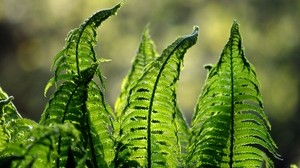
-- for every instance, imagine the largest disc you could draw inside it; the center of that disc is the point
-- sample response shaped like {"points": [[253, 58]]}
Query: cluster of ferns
{"points": [[146, 128]]}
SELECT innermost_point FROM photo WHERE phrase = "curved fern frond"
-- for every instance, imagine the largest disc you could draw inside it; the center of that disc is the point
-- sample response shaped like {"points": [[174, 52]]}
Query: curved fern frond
{"points": [[78, 53], [229, 127], [146, 53], [148, 131], [36, 150], [79, 100]]}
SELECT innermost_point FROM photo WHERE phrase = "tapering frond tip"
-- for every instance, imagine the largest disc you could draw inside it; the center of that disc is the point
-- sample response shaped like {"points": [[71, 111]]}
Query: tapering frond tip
{"points": [[235, 28], [102, 15], [117, 7], [196, 30], [194, 35]]}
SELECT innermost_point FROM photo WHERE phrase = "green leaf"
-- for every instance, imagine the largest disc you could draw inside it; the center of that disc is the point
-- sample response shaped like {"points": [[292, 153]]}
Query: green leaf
{"points": [[148, 128], [99, 127], [78, 53], [79, 100], [68, 105], [13, 127], [229, 127], [7, 109], [37, 150], [184, 134], [146, 54]]}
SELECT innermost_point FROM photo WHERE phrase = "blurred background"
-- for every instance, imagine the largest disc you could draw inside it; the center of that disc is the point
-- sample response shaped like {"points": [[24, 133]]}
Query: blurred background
{"points": [[33, 31]]}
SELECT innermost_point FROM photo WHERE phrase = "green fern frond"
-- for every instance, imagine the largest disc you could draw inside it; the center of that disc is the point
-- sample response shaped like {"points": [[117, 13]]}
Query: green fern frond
{"points": [[68, 105], [78, 53], [36, 150], [148, 131], [79, 100], [100, 127], [146, 54], [229, 127], [13, 127], [7, 109], [184, 134]]}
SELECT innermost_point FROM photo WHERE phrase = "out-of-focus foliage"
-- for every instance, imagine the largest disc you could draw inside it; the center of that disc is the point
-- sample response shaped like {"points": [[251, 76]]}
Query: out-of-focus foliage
{"points": [[32, 31]]}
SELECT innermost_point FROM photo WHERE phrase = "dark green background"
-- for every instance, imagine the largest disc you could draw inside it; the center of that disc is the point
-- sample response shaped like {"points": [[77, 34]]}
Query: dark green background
{"points": [[33, 31]]}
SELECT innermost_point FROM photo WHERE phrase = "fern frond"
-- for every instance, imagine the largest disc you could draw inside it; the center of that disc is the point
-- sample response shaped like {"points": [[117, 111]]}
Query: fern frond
{"points": [[78, 100], [184, 134], [68, 105], [99, 127], [13, 127], [146, 54], [36, 150], [148, 132], [229, 127], [78, 53], [7, 109]]}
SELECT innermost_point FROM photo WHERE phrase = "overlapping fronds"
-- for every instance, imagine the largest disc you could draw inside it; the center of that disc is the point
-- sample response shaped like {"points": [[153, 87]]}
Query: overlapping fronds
{"points": [[229, 127], [79, 100], [37, 148], [100, 127], [68, 105], [12, 126], [148, 128], [146, 54], [78, 128]]}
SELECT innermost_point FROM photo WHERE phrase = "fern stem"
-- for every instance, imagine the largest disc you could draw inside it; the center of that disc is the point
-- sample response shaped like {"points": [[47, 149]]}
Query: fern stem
{"points": [[232, 106]]}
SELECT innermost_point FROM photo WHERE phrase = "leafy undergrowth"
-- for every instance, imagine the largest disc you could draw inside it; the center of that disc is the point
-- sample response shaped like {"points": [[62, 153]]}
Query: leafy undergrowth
{"points": [[146, 128]]}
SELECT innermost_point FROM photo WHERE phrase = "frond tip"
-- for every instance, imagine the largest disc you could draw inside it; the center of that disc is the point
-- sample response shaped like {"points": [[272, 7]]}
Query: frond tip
{"points": [[229, 127]]}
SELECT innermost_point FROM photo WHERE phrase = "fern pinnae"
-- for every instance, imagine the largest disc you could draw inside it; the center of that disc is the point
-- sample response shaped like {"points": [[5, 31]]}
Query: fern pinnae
{"points": [[230, 128], [68, 105], [7, 109], [148, 130], [145, 54], [36, 149], [100, 122]]}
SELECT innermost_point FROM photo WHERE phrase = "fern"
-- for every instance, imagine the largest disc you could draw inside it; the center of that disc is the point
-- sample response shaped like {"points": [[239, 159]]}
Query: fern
{"points": [[12, 126], [229, 127], [79, 100], [100, 126], [146, 54], [148, 129], [37, 149], [78, 128], [78, 53]]}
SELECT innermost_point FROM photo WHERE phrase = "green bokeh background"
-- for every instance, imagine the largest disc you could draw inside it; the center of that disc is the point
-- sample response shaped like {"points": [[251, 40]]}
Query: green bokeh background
{"points": [[33, 31]]}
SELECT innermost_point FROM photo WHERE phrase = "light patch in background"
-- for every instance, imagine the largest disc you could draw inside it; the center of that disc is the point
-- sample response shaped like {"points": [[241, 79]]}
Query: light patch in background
{"points": [[280, 93], [14, 12]]}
